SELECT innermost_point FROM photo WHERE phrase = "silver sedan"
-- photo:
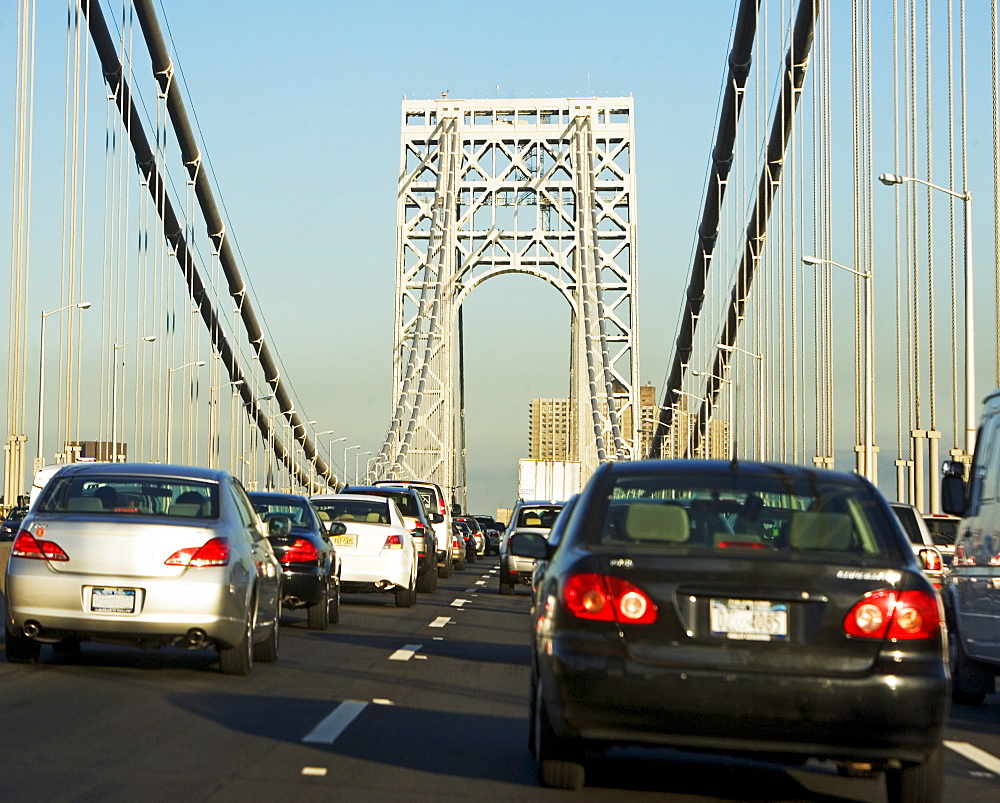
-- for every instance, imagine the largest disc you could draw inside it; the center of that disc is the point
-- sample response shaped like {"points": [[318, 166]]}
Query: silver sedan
{"points": [[144, 555]]}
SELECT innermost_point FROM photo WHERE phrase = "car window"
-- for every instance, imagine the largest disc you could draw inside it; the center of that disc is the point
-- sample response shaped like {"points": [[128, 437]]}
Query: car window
{"points": [[128, 495], [908, 518], [980, 488], [374, 511], [760, 512], [537, 516], [268, 507], [244, 509]]}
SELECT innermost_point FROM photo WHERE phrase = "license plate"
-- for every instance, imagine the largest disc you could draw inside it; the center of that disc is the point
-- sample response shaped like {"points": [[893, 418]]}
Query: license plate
{"points": [[749, 619], [112, 600], [345, 540]]}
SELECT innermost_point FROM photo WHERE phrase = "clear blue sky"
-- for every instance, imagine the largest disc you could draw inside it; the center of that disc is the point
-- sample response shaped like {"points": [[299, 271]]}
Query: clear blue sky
{"points": [[299, 105]]}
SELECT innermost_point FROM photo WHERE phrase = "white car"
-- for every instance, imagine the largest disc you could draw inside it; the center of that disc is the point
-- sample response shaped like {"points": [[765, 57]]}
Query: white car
{"points": [[376, 550]]}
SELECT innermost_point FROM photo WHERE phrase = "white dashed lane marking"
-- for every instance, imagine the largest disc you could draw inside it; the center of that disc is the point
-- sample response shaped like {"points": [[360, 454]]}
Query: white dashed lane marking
{"points": [[334, 724], [406, 653], [458, 603], [973, 753], [473, 590], [441, 621], [319, 772]]}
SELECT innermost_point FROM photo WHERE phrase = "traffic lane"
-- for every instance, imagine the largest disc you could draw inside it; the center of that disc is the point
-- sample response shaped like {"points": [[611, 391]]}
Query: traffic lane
{"points": [[973, 755]]}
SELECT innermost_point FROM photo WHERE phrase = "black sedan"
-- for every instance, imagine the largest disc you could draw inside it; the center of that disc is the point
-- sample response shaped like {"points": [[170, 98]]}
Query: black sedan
{"points": [[11, 524], [310, 568], [757, 609]]}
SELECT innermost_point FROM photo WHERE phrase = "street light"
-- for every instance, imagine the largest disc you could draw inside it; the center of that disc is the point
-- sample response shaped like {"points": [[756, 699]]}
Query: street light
{"points": [[867, 452], [891, 179], [346, 450], [170, 385], [213, 416], [732, 407], [270, 445], [40, 459], [356, 458], [114, 391], [760, 393]]}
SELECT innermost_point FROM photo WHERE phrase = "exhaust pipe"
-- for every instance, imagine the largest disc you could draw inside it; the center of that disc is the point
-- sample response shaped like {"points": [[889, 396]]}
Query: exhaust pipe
{"points": [[195, 639], [32, 629], [384, 585]]}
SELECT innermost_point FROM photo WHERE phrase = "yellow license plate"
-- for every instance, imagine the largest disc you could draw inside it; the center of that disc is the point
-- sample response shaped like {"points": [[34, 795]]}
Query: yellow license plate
{"points": [[345, 540]]}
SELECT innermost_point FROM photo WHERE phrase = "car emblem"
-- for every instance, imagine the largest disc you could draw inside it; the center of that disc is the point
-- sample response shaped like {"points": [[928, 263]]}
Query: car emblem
{"points": [[621, 563]]}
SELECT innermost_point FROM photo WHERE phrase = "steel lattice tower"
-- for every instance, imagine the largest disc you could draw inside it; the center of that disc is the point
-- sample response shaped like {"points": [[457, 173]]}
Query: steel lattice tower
{"points": [[540, 187]]}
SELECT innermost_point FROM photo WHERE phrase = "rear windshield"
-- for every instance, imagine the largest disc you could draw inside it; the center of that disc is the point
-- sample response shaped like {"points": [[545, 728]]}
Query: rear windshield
{"points": [[123, 495], [541, 516], [406, 503], [375, 511], [943, 531], [765, 513], [268, 507]]}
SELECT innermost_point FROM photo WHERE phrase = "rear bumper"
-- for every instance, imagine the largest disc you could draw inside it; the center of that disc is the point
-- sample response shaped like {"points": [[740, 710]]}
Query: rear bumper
{"points": [[303, 586], [361, 571], [875, 718]]}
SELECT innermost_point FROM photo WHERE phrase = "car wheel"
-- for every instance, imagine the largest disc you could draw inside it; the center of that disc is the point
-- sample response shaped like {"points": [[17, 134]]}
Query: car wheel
{"points": [[460, 565], [318, 615], [916, 782], [405, 597], [967, 677], [335, 602], [506, 588], [267, 650], [427, 582], [444, 572], [238, 659], [559, 761], [20, 649]]}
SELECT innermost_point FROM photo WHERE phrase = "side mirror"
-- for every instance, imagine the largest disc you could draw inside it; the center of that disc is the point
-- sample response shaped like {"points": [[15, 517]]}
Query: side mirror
{"points": [[953, 494], [337, 528], [529, 545], [436, 518], [279, 526]]}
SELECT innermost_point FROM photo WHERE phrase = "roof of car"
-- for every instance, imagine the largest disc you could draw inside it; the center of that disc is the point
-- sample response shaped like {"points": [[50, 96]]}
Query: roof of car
{"points": [[145, 470]]}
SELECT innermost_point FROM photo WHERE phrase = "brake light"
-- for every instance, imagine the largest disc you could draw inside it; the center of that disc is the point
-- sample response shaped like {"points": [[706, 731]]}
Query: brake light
{"points": [[302, 551], [607, 599], [743, 544], [931, 559], [393, 542], [27, 546], [211, 553], [903, 615]]}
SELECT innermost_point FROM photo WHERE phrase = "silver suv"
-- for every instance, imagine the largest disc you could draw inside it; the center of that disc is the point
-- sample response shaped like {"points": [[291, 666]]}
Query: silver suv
{"points": [[537, 517]]}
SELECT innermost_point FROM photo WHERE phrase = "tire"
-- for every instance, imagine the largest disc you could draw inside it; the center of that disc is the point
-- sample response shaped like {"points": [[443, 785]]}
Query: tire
{"points": [[318, 615], [334, 606], [20, 649], [238, 659], [917, 783], [559, 761], [405, 597], [427, 582], [461, 565], [969, 680], [444, 572], [267, 650], [507, 589]]}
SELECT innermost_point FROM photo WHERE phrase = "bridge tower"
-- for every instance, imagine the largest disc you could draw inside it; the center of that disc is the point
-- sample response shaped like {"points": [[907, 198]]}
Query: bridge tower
{"points": [[540, 187]]}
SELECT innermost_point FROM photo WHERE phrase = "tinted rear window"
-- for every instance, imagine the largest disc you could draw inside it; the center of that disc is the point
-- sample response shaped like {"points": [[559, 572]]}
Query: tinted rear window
{"points": [[759, 513], [375, 511], [268, 507], [124, 495], [540, 516]]}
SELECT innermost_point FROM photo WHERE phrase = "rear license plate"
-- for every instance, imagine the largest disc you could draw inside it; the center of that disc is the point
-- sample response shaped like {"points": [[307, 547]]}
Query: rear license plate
{"points": [[112, 600], [749, 619], [345, 540]]}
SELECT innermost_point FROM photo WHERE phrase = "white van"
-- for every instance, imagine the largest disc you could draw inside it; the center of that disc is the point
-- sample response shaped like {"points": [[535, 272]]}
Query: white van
{"points": [[972, 589], [42, 476]]}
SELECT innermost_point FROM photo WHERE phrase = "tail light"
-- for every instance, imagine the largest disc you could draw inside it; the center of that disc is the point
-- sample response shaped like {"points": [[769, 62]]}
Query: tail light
{"points": [[211, 553], [393, 542], [742, 544], [302, 551], [931, 559], [905, 615], [607, 599], [27, 546]]}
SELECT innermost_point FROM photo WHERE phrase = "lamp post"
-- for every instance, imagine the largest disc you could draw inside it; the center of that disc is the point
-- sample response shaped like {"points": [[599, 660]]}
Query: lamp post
{"points": [[40, 459], [890, 179], [251, 429], [213, 416], [170, 387], [332, 441], [114, 391], [356, 458], [760, 393], [731, 405], [867, 452], [704, 449], [346, 450], [269, 484]]}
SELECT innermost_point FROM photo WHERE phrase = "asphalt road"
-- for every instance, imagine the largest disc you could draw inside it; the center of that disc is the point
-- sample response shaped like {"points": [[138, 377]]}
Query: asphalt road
{"points": [[426, 703]]}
